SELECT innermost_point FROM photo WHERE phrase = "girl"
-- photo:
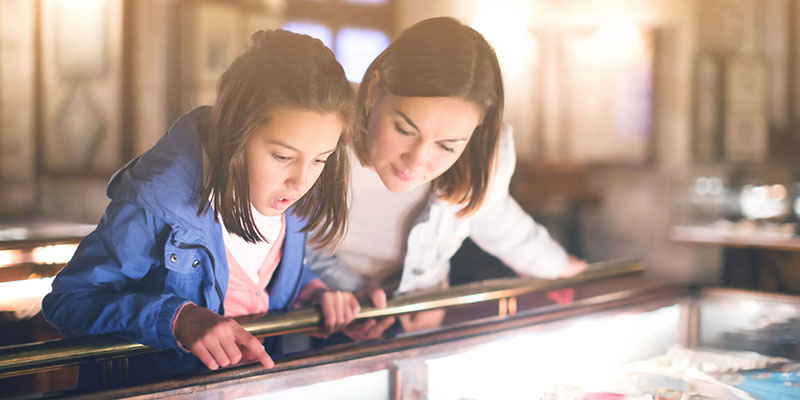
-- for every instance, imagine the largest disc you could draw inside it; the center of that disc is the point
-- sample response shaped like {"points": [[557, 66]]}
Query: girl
{"points": [[435, 169], [211, 222]]}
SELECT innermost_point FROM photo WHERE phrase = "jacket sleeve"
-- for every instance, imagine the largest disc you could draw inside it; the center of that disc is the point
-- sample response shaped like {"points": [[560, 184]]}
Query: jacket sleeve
{"points": [[332, 271], [503, 229], [104, 288]]}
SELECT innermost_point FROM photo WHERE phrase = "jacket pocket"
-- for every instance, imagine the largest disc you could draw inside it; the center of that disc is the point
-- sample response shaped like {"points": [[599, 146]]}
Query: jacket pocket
{"points": [[181, 261], [185, 273]]}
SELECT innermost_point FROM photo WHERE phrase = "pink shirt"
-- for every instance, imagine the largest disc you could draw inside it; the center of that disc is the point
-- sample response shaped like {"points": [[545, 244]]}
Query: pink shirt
{"points": [[245, 297]]}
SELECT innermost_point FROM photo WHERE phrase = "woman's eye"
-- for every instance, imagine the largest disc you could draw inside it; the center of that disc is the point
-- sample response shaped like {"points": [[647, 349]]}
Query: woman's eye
{"points": [[280, 157], [320, 161], [447, 149], [401, 130]]}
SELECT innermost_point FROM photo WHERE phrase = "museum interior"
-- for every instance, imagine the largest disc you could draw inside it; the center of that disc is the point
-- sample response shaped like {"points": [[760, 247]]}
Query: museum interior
{"points": [[658, 140]]}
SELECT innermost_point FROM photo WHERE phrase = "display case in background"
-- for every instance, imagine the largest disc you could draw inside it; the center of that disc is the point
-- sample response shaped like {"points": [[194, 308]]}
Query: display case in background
{"points": [[748, 211], [671, 341]]}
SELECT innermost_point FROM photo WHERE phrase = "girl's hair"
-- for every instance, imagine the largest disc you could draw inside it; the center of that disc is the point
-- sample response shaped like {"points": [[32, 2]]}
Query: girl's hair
{"points": [[278, 69], [441, 57]]}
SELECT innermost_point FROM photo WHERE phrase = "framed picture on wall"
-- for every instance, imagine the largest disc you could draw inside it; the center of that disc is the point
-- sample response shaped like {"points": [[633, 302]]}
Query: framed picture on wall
{"points": [[210, 36], [746, 122], [707, 115], [81, 79]]}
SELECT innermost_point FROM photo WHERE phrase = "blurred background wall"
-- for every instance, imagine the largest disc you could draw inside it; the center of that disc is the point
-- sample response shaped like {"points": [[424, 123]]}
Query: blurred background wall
{"points": [[631, 118]]}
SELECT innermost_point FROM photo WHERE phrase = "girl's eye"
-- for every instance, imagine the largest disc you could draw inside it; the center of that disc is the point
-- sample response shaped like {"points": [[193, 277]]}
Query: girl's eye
{"points": [[446, 148], [320, 161], [401, 130], [280, 157]]}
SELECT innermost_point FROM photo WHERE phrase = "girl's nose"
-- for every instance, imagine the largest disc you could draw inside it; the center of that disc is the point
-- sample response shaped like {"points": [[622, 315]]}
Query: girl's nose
{"points": [[298, 179]]}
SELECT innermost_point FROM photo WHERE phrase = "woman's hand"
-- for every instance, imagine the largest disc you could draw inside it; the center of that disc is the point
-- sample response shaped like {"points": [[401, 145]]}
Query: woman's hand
{"points": [[372, 328], [574, 267], [216, 340]]}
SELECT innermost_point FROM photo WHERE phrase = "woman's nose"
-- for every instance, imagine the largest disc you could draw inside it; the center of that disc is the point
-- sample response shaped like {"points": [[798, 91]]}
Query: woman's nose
{"points": [[415, 157]]}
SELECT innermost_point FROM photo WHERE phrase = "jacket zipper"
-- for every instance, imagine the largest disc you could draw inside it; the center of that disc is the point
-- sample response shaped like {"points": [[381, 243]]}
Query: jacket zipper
{"points": [[213, 271]]}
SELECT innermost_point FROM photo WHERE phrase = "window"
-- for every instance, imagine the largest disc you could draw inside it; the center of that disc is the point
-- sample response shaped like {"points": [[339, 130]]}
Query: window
{"points": [[356, 30]]}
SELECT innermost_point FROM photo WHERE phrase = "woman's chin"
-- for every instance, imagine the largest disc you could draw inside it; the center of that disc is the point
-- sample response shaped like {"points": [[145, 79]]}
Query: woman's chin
{"points": [[396, 185]]}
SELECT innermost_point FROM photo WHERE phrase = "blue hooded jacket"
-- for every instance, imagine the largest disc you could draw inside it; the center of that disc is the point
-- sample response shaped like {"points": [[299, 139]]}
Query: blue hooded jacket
{"points": [[151, 253]]}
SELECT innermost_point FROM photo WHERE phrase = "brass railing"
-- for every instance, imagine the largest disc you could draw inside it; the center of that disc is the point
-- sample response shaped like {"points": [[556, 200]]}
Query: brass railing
{"points": [[42, 356]]}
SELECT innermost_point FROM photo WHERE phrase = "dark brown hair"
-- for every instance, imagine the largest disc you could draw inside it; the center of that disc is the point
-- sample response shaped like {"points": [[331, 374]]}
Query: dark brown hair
{"points": [[278, 69], [441, 57]]}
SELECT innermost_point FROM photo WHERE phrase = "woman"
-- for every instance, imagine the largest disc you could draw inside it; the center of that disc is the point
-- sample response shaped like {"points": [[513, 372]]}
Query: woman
{"points": [[435, 166]]}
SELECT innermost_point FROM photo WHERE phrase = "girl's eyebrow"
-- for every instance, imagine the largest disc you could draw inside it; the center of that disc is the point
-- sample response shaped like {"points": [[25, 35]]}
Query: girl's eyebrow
{"points": [[284, 144], [290, 147]]}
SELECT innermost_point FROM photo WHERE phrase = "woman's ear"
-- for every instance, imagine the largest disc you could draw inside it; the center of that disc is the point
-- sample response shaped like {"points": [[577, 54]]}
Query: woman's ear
{"points": [[372, 91]]}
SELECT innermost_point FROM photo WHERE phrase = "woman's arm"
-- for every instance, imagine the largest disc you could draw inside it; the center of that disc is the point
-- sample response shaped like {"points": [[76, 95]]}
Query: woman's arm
{"points": [[503, 229], [336, 274]]}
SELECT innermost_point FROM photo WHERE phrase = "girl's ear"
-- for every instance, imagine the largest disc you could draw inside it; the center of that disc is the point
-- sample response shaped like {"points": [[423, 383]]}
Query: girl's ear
{"points": [[372, 91]]}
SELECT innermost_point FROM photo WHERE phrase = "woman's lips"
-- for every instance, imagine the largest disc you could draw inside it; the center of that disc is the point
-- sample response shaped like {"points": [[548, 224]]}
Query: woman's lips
{"points": [[403, 176]]}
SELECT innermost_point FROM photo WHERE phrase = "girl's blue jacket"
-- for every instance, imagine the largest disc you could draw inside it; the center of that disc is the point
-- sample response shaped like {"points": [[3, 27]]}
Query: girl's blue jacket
{"points": [[151, 253]]}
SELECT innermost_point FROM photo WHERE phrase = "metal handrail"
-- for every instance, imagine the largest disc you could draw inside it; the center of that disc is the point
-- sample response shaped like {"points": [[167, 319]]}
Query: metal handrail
{"points": [[42, 356]]}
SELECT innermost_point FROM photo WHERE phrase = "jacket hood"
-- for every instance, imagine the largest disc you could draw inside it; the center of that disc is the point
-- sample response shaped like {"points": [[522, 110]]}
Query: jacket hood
{"points": [[167, 179]]}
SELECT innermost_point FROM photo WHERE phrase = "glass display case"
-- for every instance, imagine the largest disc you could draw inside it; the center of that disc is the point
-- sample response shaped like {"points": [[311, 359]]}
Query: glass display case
{"points": [[669, 342]]}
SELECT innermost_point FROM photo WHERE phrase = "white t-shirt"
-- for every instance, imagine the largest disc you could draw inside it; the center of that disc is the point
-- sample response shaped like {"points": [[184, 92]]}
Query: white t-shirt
{"points": [[250, 256], [378, 225]]}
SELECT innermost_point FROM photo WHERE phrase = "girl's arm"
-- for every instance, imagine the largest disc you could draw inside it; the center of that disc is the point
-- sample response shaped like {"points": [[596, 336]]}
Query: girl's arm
{"points": [[110, 285]]}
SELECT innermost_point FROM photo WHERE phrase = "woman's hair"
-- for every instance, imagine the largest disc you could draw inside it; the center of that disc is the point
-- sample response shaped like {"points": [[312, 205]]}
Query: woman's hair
{"points": [[279, 69], [441, 57]]}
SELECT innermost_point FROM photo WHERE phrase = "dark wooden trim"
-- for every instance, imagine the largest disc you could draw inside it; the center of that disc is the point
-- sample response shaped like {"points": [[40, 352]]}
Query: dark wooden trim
{"points": [[128, 92], [793, 102], [22, 272], [38, 100]]}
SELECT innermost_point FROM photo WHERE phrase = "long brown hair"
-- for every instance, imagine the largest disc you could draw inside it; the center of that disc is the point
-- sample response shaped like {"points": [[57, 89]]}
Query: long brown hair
{"points": [[441, 57], [278, 69]]}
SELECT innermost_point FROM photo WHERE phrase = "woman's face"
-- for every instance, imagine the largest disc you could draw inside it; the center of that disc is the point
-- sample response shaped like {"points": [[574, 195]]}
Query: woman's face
{"points": [[286, 155], [413, 140]]}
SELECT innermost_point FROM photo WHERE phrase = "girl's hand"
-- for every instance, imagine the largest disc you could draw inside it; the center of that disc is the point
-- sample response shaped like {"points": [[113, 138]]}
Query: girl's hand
{"points": [[216, 340], [338, 310], [372, 328]]}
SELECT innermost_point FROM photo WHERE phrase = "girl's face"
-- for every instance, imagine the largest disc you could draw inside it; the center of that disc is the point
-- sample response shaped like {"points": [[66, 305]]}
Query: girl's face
{"points": [[286, 155], [413, 140]]}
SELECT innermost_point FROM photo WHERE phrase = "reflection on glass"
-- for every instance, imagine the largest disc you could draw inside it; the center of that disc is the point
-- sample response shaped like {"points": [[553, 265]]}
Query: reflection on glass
{"points": [[797, 200], [318, 31], [585, 352], [797, 206], [356, 48], [765, 201]]}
